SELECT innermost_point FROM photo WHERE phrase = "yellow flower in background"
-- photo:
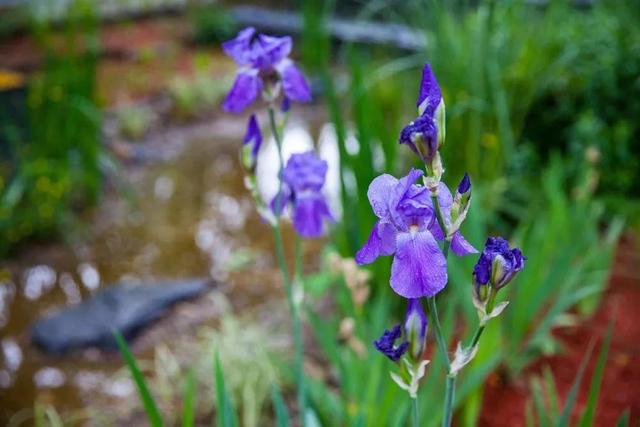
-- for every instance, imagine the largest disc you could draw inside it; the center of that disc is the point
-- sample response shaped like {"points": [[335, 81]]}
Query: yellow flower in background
{"points": [[10, 80]]}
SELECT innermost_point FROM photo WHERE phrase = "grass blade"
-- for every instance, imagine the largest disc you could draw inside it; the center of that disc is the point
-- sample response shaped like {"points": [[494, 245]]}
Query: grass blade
{"points": [[624, 419], [538, 403], [552, 392], [587, 417], [575, 387], [226, 414], [188, 412], [282, 415], [150, 407]]}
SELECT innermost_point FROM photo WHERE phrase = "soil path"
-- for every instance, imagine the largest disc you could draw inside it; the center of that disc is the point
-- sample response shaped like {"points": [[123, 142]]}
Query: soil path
{"points": [[504, 403]]}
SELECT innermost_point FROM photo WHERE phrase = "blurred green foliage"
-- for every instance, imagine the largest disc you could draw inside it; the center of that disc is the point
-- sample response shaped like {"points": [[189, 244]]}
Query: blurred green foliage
{"points": [[53, 168], [494, 61]]}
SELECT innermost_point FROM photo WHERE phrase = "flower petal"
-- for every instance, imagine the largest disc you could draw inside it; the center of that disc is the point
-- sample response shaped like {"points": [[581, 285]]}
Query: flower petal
{"points": [[419, 268], [294, 84], [309, 213], [381, 242], [430, 95], [240, 48], [460, 246], [378, 194], [245, 90], [269, 51]]}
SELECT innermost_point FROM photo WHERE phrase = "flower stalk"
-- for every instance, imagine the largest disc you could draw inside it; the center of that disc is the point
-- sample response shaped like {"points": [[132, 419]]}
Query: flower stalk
{"points": [[288, 284]]}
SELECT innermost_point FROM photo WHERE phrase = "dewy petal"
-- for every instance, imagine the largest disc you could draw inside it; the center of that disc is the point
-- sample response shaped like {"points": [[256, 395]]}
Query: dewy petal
{"points": [[460, 246], [245, 90], [294, 84], [309, 213], [240, 48], [419, 268], [269, 51], [378, 194], [430, 94], [381, 242]]}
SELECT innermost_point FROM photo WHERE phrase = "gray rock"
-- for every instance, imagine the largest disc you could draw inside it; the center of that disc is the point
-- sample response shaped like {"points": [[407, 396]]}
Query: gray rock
{"points": [[121, 307]]}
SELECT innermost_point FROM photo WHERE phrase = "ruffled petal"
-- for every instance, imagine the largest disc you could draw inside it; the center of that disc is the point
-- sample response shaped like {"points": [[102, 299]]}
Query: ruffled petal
{"points": [[240, 48], [460, 246], [378, 194], [245, 90], [381, 242], [294, 84], [419, 268], [269, 51]]}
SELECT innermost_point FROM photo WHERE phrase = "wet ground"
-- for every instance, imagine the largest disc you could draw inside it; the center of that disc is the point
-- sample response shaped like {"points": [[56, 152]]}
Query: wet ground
{"points": [[504, 402], [187, 215]]}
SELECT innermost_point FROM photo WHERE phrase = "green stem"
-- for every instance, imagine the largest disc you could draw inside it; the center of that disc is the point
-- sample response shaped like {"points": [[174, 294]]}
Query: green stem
{"points": [[450, 389], [439, 216], [297, 272], [276, 136], [442, 344], [288, 285], [414, 404], [476, 336], [450, 393]]}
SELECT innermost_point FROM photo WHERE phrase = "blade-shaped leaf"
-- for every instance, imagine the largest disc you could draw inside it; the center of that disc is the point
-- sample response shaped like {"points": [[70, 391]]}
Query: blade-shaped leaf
{"points": [[587, 417], [150, 407], [188, 407], [282, 414]]}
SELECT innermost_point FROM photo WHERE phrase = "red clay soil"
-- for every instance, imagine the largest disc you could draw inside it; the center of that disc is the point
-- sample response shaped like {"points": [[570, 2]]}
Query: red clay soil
{"points": [[504, 403]]}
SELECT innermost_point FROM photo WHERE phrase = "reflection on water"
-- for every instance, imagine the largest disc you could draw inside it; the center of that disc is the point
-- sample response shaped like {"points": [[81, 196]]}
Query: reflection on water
{"points": [[187, 217]]}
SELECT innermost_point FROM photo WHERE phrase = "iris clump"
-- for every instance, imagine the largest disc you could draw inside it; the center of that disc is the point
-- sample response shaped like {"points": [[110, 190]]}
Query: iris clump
{"points": [[407, 227], [265, 67], [302, 182]]}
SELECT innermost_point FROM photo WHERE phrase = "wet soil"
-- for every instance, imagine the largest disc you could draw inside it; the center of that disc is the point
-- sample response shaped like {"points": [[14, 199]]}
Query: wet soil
{"points": [[504, 402]]}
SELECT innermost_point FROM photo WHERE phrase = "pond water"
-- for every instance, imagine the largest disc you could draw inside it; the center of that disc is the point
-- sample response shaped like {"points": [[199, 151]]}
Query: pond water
{"points": [[186, 216]]}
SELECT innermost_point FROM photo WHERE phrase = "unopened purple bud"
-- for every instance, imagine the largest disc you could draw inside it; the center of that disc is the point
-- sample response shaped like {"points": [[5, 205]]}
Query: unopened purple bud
{"points": [[498, 264], [415, 328], [465, 184], [251, 144], [286, 105], [386, 344]]}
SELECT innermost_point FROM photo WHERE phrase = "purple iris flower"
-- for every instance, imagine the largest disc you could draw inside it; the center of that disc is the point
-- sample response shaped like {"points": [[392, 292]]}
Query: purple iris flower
{"points": [[251, 144], [262, 59], [386, 344], [425, 134], [498, 264], [407, 227], [303, 179], [415, 328]]}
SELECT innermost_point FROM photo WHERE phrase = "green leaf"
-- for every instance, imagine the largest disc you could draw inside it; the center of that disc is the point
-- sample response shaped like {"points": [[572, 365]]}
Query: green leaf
{"points": [[575, 387], [150, 407], [552, 392], [189, 398], [624, 419], [538, 403], [226, 413], [282, 415], [587, 417]]}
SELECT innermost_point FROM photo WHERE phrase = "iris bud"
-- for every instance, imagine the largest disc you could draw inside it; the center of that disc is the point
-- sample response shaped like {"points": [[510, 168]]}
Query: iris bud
{"points": [[415, 327]]}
